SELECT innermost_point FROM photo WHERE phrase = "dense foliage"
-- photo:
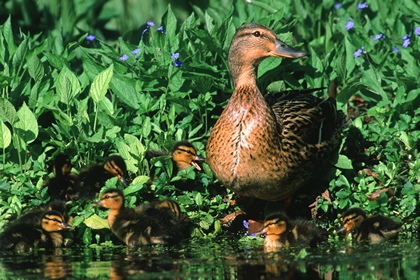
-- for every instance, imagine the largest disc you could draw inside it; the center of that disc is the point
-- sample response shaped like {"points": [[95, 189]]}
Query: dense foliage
{"points": [[130, 86]]}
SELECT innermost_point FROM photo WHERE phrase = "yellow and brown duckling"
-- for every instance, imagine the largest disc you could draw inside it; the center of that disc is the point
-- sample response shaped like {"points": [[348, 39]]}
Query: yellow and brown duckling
{"points": [[63, 185], [23, 235], [147, 224], [371, 230], [93, 178], [183, 154], [32, 216], [281, 231], [269, 151]]}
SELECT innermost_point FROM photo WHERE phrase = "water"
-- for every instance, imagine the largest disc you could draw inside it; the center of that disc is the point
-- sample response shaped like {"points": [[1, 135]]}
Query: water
{"points": [[224, 258]]}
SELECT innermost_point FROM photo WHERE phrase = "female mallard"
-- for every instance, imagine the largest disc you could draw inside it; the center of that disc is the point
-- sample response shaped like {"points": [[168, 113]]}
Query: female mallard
{"points": [[264, 151], [372, 230]]}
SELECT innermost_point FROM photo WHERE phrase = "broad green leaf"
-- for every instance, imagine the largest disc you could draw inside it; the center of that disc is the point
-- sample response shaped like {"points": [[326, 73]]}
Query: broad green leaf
{"points": [[100, 84], [5, 136], [125, 89], [140, 180], [344, 162], [27, 125], [133, 188], [35, 67], [96, 222], [8, 35], [7, 111], [68, 86], [55, 60]]}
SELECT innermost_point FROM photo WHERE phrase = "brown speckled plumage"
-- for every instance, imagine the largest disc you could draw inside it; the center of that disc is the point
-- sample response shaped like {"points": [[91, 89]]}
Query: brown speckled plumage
{"points": [[265, 150]]}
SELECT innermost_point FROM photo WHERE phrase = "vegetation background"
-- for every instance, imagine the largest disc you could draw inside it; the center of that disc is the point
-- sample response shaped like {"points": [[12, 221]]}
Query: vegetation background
{"points": [[156, 72]]}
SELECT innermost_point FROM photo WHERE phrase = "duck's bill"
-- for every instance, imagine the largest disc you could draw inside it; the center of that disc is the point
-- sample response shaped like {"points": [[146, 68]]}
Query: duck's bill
{"points": [[341, 229], [262, 231], [193, 163], [64, 225], [99, 203], [284, 50]]}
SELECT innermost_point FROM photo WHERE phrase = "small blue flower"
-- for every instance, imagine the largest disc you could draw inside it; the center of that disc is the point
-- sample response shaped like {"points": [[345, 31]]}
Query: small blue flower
{"points": [[245, 223], [178, 63], [90, 37], [150, 23], [379, 36], [406, 37], [358, 52], [362, 6], [349, 25], [136, 51], [124, 57], [406, 43], [338, 5], [175, 55], [144, 31], [417, 31], [159, 28], [396, 50]]}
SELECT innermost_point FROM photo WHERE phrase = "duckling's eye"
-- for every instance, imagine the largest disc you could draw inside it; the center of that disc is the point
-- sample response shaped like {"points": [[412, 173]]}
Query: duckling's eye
{"points": [[257, 34]]}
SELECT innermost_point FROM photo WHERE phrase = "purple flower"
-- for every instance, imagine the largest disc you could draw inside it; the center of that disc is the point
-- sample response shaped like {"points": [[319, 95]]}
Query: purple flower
{"points": [[358, 52], [245, 223], [90, 37], [379, 36], [124, 57], [406, 37], [406, 43], [150, 23], [159, 28], [417, 31], [338, 5], [175, 55], [136, 51], [396, 50], [349, 24], [144, 31], [362, 6], [178, 62]]}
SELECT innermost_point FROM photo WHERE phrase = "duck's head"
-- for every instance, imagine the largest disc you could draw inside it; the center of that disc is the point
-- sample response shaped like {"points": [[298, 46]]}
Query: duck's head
{"points": [[111, 198], [251, 44], [185, 155], [352, 219], [62, 165], [275, 224], [53, 221], [116, 166]]}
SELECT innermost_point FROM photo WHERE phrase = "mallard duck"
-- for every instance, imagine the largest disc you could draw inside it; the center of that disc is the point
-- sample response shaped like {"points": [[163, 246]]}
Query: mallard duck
{"points": [[372, 230], [93, 178], [280, 231], [64, 183], [183, 154], [24, 235], [269, 151], [146, 224]]}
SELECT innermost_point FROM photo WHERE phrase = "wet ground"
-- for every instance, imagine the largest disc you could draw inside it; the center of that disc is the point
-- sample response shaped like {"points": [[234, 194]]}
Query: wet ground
{"points": [[224, 258]]}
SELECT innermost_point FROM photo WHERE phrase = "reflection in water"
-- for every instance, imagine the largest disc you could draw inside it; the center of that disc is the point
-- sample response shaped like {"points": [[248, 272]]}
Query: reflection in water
{"points": [[226, 258]]}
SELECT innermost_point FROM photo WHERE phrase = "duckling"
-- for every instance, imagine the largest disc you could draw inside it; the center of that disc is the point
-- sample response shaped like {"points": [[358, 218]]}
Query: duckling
{"points": [[269, 151], [144, 225], [64, 183], [372, 230], [94, 177], [32, 216], [24, 235], [184, 155], [280, 231]]}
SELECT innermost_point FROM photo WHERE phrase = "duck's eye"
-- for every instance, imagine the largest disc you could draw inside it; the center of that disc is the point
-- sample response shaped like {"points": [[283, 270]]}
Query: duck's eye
{"points": [[257, 34]]}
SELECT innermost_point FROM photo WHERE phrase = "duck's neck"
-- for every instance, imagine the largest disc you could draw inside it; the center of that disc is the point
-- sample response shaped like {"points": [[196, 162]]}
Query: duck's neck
{"points": [[111, 216], [243, 74]]}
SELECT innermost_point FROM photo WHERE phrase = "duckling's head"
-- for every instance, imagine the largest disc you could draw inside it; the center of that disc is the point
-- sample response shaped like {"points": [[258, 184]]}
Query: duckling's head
{"points": [[352, 219], [112, 198], [185, 155], [275, 224], [116, 166], [251, 44], [53, 221], [62, 165]]}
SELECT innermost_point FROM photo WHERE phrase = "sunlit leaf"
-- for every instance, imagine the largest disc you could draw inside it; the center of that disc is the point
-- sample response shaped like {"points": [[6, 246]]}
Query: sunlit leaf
{"points": [[96, 222], [5, 136], [100, 84], [27, 125]]}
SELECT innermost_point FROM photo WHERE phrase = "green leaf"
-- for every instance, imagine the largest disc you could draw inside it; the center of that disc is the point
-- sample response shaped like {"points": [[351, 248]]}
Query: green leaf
{"points": [[100, 84], [7, 111], [96, 222], [5, 136], [140, 180], [27, 125], [35, 67], [344, 162], [125, 90], [67, 85], [8, 35], [133, 188]]}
